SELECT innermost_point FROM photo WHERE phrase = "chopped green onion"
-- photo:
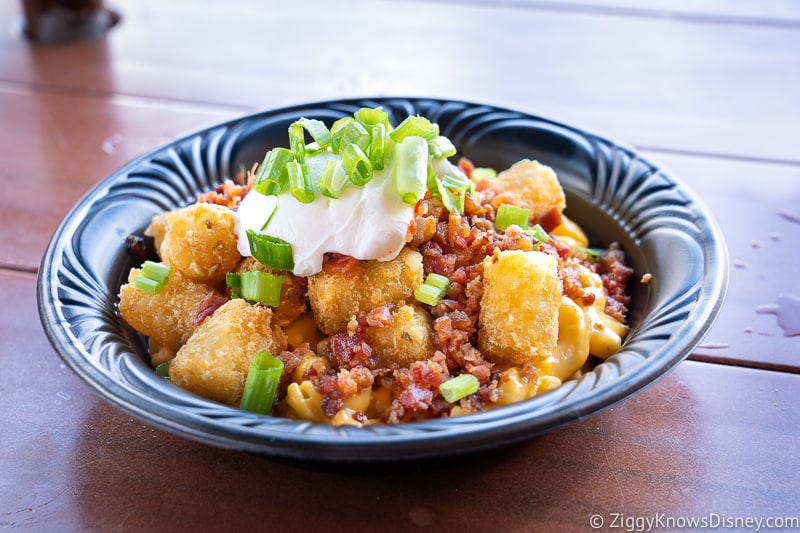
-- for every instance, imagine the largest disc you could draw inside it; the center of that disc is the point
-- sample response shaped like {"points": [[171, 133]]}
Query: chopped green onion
{"points": [[318, 131], [262, 383], [152, 277], [437, 280], [264, 287], [428, 294], [270, 251], [480, 173], [538, 233], [147, 285], [269, 218], [300, 182], [459, 387], [441, 147], [297, 142], [271, 176], [234, 282], [377, 146], [333, 178], [415, 126], [163, 369], [372, 116], [432, 289], [508, 215], [412, 168], [356, 164], [592, 252], [351, 133], [453, 191]]}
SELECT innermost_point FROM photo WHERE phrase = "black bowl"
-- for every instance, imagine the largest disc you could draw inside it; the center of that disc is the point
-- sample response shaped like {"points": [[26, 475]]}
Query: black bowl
{"points": [[612, 192]]}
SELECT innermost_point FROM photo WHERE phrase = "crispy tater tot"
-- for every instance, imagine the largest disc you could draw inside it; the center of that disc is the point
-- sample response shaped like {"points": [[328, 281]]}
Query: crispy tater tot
{"points": [[337, 297], [519, 309], [167, 317], [407, 339], [536, 187], [200, 242], [215, 360]]}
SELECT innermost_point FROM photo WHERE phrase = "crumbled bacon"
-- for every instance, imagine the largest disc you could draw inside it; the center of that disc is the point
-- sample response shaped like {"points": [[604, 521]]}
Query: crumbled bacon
{"points": [[206, 308]]}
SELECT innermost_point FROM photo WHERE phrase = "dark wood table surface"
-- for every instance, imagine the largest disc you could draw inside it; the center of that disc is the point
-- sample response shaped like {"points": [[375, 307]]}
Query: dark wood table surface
{"points": [[706, 88]]}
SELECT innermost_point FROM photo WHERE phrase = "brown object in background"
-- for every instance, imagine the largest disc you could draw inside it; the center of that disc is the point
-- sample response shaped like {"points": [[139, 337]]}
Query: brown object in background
{"points": [[57, 21]]}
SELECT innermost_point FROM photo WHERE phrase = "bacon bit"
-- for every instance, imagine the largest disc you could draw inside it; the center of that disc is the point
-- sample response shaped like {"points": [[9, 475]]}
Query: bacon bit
{"points": [[206, 308], [550, 219], [228, 194], [380, 317], [466, 166], [333, 263]]}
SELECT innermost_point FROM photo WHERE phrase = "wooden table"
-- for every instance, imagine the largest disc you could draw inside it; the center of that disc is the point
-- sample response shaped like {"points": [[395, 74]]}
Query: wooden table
{"points": [[708, 89]]}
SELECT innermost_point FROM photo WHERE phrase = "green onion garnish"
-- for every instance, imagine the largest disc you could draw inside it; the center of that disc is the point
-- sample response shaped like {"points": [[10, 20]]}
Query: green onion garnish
{"points": [[271, 176], [415, 126], [356, 164], [270, 251], [264, 287], [372, 116], [350, 133], [453, 191], [269, 218], [332, 179], [262, 383], [162, 370], [377, 146], [300, 182], [538, 233], [480, 173], [432, 289], [152, 278], [234, 282], [508, 215], [318, 131], [297, 142], [412, 168], [459, 387], [591, 252], [441, 147]]}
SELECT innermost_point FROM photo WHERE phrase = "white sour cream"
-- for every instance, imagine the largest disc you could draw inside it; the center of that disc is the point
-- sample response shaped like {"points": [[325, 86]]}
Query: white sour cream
{"points": [[368, 222]]}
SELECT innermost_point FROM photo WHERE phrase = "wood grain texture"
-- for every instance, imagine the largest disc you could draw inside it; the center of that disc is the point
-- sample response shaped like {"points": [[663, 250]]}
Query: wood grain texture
{"points": [[688, 86]]}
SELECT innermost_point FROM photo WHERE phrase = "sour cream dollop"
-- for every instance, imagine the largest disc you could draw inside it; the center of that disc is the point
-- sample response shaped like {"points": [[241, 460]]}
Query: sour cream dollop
{"points": [[367, 222]]}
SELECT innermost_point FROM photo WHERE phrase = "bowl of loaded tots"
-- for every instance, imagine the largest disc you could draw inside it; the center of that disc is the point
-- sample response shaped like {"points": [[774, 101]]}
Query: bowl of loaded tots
{"points": [[380, 279]]}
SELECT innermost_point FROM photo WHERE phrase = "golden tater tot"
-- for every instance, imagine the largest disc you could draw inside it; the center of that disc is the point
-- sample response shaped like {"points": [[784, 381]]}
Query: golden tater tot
{"points": [[215, 360], [537, 188], [407, 339], [200, 242], [518, 319], [166, 317], [336, 297]]}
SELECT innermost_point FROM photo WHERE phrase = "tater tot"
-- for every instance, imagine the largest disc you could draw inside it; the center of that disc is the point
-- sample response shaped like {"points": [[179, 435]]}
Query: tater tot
{"points": [[537, 188], [407, 339], [200, 242], [215, 360], [519, 309], [336, 297], [166, 317]]}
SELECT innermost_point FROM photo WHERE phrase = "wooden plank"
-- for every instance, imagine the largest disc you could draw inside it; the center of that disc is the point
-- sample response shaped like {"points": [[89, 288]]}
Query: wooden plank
{"points": [[73, 462], [60, 145], [690, 86]]}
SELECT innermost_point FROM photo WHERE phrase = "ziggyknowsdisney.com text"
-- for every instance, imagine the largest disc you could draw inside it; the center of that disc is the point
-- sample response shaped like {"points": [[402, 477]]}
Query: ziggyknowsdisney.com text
{"points": [[632, 523]]}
